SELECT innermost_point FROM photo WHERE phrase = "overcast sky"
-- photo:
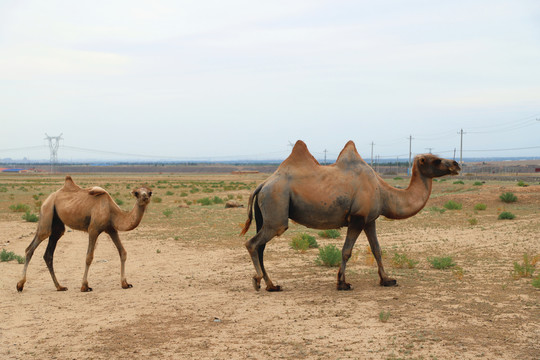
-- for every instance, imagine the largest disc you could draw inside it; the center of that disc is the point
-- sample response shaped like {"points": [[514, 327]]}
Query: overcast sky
{"points": [[241, 79]]}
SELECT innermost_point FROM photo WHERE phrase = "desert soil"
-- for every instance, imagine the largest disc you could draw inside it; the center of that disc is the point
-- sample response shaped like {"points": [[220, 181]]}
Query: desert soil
{"points": [[192, 295]]}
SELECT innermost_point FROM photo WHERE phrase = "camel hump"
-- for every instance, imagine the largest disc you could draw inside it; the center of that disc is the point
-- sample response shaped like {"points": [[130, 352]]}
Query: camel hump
{"points": [[96, 191], [349, 155], [69, 184], [300, 155]]}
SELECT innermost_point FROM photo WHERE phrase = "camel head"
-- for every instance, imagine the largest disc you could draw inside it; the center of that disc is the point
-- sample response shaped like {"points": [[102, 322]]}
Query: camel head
{"points": [[143, 195], [432, 166]]}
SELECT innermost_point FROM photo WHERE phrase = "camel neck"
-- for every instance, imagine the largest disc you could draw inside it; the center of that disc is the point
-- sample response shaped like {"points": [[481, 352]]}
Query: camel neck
{"points": [[401, 204], [126, 221]]}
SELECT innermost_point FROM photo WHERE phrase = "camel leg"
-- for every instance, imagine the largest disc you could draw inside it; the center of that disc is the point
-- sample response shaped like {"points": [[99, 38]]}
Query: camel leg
{"points": [[353, 231], [123, 256], [255, 247], [92, 238], [57, 232], [38, 238], [371, 233]]}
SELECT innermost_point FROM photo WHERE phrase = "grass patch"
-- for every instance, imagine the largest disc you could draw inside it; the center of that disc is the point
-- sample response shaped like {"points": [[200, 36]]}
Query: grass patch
{"points": [[330, 234], [526, 268], [522, 183], [302, 242], [19, 208], [169, 193], [478, 183], [8, 256], [119, 201], [157, 199], [403, 261], [536, 282], [384, 316], [436, 209], [28, 216], [473, 221], [459, 182], [506, 215], [167, 212], [441, 262], [452, 205], [329, 255], [480, 207], [508, 197]]}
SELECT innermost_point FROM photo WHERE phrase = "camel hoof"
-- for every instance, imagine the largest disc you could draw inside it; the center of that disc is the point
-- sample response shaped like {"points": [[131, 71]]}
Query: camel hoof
{"points": [[389, 282], [344, 286], [256, 284], [273, 288], [86, 289], [127, 286], [20, 287], [61, 288]]}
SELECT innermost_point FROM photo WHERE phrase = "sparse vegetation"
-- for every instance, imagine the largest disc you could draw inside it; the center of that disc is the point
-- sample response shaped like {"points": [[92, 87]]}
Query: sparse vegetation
{"points": [[441, 262], [473, 221], [452, 205], [508, 197], [384, 316], [30, 217], [157, 199], [480, 207], [330, 234], [522, 183], [506, 215], [403, 261], [167, 212], [526, 268], [19, 208], [329, 255], [119, 201], [8, 256], [459, 182], [303, 241], [478, 183]]}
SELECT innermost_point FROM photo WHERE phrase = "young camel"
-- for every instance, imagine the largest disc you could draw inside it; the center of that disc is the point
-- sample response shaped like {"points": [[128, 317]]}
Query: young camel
{"points": [[347, 193], [91, 210]]}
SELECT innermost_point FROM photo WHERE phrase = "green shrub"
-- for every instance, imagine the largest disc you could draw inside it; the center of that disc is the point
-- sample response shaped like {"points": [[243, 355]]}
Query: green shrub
{"points": [[329, 255], [398, 178], [169, 193], [167, 212], [119, 201], [217, 200], [402, 261], [3, 189], [28, 216], [536, 282], [330, 234], [508, 197], [19, 208], [157, 199], [441, 262], [460, 182], [384, 316], [204, 201], [303, 241], [506, 215], [183, 194], [8, 256], [473, 221], [522, 183], [478, 183], [452, 205], [480, 206], [525, 269]]}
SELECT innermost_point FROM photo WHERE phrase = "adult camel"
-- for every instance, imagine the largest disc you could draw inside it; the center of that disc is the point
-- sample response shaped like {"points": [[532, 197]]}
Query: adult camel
{"points": [[91, 210], [348, 193]]}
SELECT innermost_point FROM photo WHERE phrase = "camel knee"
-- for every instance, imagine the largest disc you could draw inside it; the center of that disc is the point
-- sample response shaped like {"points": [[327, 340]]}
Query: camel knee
{"points": [[346, 255]]}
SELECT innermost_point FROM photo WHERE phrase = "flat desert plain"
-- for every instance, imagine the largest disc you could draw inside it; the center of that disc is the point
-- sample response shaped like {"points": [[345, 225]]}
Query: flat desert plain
{"points": [[192, 295]]}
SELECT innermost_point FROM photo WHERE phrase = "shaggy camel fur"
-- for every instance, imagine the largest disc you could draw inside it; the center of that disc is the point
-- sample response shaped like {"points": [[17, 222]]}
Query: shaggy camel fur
{"points": [[91, 210], [347, 193]]}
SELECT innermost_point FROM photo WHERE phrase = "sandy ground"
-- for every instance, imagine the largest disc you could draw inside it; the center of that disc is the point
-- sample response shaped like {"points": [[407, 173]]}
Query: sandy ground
{"points": [[192, 295]]}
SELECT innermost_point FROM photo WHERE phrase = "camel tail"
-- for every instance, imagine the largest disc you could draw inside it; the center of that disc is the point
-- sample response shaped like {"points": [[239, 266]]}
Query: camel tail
{"points": [[250, 209]]}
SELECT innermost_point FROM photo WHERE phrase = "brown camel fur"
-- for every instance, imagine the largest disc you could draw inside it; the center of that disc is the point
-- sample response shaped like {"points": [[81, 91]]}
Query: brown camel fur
{"points": [[91, 210], [347, 193]]}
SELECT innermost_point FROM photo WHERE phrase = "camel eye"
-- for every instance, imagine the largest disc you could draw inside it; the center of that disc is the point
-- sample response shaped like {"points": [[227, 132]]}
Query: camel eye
{"points": [[136, 193], [149, 193]]}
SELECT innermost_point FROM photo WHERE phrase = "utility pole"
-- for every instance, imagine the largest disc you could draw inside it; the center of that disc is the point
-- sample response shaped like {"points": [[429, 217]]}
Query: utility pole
{"points": [[372, 153], [454, 154], [429, 149], [325, 151], [53, 147], [461, 148]]}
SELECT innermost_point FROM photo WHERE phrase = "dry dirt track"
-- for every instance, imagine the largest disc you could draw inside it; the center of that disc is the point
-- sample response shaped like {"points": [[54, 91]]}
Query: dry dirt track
{"points": [[192, 294]]}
